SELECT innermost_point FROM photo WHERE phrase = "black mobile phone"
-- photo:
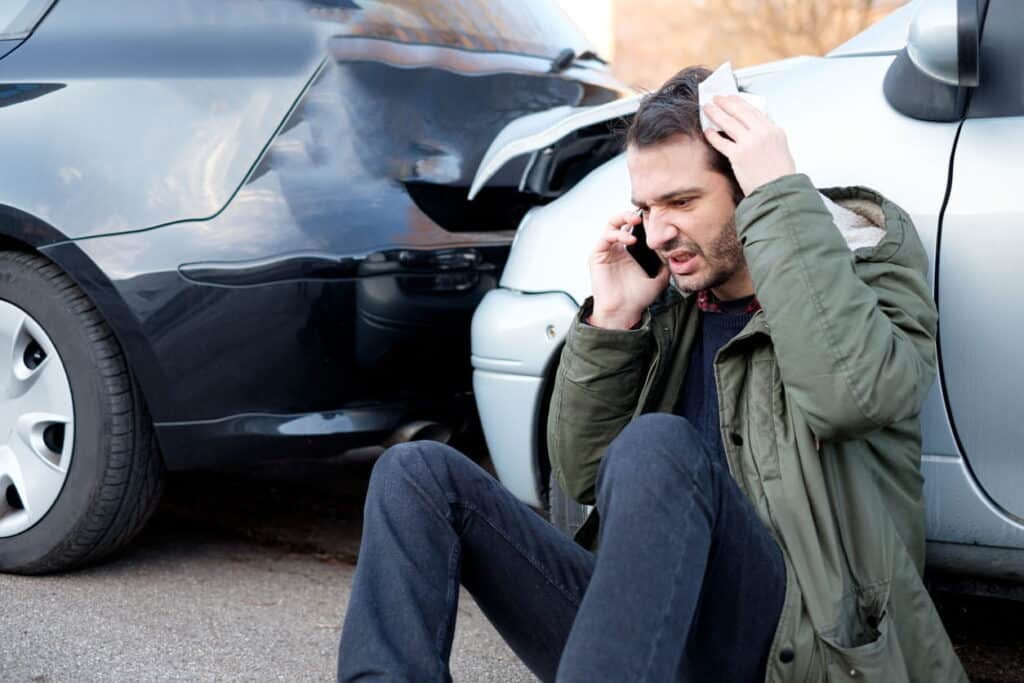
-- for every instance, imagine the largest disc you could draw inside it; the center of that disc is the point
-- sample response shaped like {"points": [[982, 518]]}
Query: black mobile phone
{"points": [[642, 253]]}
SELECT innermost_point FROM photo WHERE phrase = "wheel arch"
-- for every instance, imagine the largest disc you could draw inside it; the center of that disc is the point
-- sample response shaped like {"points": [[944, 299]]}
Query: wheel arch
{"points": [[543, 458], [94, 283], [23, 232]]}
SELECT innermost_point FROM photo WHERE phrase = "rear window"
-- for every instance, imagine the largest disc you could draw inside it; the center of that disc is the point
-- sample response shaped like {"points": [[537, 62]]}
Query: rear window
{"points": [[19, 17], [531, 27]]}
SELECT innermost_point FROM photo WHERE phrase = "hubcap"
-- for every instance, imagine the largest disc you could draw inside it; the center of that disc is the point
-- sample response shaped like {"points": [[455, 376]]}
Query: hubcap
{"points": [[36, 421]]}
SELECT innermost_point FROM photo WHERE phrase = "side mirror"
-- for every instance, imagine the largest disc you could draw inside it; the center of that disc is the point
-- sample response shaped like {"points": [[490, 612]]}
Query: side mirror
{"points": [[944, 41]]}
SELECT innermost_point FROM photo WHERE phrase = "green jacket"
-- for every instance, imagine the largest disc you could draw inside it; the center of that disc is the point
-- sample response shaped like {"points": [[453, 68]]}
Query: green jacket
{"points": [[824, 388]]}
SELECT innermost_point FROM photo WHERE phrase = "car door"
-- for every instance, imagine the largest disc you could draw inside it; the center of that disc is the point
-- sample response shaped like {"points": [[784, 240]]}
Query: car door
{"points": [[980, 274]]}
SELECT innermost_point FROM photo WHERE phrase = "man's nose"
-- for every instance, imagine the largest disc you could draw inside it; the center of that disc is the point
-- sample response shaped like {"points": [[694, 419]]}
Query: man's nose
{"points": [[660, 230]]}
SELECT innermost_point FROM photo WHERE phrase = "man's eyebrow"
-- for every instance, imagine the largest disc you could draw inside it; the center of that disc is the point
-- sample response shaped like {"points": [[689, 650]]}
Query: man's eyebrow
{"points": [[682, 193]]}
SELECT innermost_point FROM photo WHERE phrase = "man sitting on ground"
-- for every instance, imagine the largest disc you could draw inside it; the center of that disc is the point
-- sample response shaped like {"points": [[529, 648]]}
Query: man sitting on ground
{"points": [[745, 422]]}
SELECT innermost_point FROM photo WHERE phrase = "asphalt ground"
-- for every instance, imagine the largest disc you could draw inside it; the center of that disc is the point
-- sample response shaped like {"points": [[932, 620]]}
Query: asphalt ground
{"points": [[246, 575], [239, 576]]}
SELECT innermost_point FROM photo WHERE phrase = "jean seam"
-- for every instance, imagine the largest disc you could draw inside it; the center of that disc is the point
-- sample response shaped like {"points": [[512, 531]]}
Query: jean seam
{"points": [[529, 557], [451, 600], [450, 595]]}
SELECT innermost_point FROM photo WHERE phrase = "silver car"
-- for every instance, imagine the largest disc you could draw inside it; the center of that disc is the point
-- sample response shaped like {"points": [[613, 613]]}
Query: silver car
{"points": [[927, 107]]}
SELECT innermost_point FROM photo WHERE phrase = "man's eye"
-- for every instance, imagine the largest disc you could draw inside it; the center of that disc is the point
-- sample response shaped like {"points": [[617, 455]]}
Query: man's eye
{"points": [[681, 202]]}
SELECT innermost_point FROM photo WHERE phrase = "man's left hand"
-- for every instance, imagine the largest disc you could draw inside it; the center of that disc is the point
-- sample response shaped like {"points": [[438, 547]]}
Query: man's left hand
{"points": [[757, 149]]}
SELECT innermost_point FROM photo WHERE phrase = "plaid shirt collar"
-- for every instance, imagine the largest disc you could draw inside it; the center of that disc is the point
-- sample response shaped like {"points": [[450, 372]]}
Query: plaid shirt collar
{"points": [[707, 302]]}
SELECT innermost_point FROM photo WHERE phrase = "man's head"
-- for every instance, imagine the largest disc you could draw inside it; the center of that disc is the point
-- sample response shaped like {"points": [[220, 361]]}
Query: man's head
{"points": [[686, 189]]}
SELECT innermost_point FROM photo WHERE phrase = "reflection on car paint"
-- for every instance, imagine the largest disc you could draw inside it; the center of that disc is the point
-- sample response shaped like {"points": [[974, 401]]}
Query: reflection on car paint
{"points": [[274, 226], [326, 245]]}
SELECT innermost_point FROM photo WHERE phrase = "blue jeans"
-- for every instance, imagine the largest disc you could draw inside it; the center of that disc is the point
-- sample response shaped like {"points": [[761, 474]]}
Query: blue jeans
{"points": [[687, 585]]}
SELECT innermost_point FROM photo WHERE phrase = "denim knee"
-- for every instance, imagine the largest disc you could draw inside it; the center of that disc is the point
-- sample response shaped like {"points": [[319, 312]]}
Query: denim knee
{"points": [[403, 463], [667, 445], [435, 469]]}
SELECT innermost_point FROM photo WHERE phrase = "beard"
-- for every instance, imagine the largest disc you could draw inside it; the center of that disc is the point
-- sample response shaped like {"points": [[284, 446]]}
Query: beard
{"points": [[723, 258]]}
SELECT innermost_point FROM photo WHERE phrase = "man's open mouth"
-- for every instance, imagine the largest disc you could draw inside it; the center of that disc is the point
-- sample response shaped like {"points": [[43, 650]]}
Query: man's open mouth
{"points": [[682, 262]]}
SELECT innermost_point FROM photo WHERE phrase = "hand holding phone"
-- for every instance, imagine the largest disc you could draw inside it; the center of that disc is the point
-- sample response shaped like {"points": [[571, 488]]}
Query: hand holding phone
{"points": [[622, 287], [642, 253]]}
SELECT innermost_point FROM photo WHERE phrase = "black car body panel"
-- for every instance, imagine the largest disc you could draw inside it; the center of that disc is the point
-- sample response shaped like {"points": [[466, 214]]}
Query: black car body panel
{"points": [[162, 111], [269, 212], [6, 46]]}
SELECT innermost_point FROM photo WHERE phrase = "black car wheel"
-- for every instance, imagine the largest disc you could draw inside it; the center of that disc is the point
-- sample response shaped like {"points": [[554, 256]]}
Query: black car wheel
{"points": [[80, 472]]}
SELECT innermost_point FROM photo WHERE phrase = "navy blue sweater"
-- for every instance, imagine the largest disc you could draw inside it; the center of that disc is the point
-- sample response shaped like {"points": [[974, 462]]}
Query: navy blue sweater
{"points": [[698, 399]]}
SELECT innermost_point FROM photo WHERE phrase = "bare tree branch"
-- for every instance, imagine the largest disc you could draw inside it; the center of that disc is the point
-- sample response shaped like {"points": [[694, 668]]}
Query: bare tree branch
{"points": [[654, 38], [787, 27]]}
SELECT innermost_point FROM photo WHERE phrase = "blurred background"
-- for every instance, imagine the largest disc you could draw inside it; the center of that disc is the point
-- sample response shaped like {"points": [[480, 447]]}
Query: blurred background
{"points": [[649, 40]]}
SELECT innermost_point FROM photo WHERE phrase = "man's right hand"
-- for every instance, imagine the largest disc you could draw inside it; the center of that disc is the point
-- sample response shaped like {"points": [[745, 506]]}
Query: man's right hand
{"points": [[622, 290]]}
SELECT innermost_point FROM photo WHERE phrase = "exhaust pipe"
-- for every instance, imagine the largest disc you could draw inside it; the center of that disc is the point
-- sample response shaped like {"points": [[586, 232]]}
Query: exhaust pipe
{"points": [[420, 430]]}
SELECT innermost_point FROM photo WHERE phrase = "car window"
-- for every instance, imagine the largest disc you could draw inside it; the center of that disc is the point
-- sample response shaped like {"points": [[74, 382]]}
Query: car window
{"points": [[533, 27], [19, 17]]}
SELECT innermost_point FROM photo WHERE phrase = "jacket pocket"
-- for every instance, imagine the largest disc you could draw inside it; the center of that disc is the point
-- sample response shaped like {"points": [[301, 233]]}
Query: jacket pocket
{"points": [[879, 659]]}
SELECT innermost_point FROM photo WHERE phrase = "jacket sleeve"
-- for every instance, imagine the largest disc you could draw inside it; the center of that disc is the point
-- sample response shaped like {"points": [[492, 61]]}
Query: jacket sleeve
{"points": [[599, 378], [854, 338]]}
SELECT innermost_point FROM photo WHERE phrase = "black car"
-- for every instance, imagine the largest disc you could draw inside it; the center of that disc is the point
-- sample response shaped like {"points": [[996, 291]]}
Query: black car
{"points": [[239, 230]]}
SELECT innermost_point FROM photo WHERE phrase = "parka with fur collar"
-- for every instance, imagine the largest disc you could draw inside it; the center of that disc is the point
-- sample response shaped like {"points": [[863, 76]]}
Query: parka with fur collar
{"points": [[824, 389]]}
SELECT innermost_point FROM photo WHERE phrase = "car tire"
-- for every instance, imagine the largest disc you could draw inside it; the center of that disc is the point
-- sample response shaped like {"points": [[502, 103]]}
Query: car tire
{"points": [[99, 490], [565, 513]]}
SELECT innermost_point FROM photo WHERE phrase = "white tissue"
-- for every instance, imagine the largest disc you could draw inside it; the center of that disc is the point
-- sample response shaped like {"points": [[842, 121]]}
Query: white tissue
{"points": [[723, 82]]}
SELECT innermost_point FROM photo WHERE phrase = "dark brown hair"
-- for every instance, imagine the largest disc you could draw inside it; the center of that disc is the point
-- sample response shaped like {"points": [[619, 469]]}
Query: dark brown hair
{"points": [[673, 110]]}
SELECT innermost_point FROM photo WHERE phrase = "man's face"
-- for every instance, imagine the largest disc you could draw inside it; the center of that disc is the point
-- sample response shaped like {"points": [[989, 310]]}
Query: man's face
{"points": [[688, 214]]}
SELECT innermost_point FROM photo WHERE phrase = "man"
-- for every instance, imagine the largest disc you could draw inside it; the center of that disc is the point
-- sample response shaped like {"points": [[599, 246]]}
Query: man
{"points": [[749, 436]]}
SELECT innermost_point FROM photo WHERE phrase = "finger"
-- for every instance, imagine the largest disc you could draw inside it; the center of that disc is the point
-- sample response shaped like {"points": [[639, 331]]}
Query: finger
{"points": [[613, 236], [719, 141], [726, 121], [741, 110], [717, 111], [624, 220]]}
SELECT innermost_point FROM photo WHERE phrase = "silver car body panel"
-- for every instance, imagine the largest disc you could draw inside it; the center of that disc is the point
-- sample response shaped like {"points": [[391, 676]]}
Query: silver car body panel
{"points": [[550, 249], [962, 520], [536, 131], [867, 143], [516, 338], [980, 276]]}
